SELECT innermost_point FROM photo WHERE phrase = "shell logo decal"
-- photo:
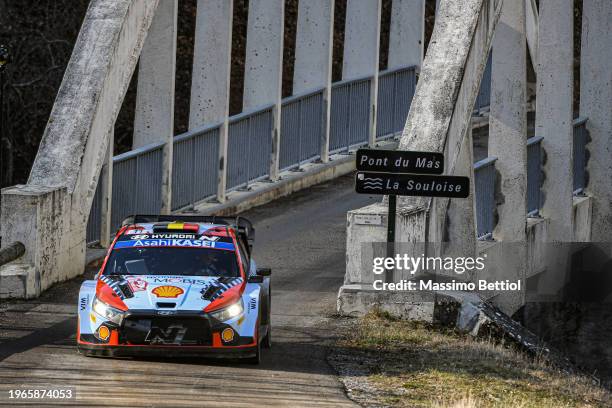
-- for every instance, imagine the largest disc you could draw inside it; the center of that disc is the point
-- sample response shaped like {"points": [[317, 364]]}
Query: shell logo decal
{"points": [[167, 291]]}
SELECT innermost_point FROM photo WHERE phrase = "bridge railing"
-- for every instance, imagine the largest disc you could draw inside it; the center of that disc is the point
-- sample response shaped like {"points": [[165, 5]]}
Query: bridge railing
{"points": [[195, 163], [484, 189], [249, 147], [483, 100], [194, 166], [94, 223], [534, 174], [580, 154], [395, 87], [350, 114], [137, 179], [302, 129]]}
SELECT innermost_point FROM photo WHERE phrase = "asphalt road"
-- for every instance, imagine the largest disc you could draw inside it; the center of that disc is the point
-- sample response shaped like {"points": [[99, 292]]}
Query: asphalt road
{"points": [[301, 237]]}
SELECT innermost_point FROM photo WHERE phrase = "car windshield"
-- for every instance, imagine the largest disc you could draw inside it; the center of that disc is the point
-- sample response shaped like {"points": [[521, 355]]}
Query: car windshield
{"points": [[172, 261]]}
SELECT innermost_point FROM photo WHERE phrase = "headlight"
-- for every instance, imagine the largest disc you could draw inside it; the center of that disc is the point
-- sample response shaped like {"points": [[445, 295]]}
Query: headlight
{"points": [[229, 312], [106, 311]]}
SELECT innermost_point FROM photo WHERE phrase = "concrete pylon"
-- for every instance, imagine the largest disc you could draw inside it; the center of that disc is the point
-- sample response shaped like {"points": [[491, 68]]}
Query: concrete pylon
{"points": [[263, 71], [449, 83], [154, 117], [49, 214], [313, 56], [595, 97], [361, 49], [508, 121], [406, 34], [210, 82], [554, 114]]}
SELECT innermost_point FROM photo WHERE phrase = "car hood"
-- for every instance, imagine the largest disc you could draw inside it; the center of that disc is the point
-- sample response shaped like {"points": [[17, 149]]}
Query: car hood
{"points": [[142, 292]]}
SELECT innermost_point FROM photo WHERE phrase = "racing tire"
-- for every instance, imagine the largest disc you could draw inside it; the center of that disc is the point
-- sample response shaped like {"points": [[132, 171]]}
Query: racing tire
{"points": [[256, 359], [267, 341]]}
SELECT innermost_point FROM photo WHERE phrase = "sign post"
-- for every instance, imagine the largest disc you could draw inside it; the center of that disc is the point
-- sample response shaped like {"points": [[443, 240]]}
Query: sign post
{"points": [[391, 234], [405, 173]]}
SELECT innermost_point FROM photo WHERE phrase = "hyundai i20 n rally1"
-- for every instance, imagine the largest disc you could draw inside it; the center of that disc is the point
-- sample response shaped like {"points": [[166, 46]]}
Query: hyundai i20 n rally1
{"points": [[177, 285]]}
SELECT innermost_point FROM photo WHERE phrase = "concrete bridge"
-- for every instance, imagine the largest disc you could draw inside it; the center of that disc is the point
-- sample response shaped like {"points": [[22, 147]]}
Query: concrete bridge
{"points": [[536, 182]]}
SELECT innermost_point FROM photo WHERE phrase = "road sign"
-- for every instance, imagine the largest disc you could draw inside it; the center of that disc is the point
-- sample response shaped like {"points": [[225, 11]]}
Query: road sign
{"points": [[412, 185], [398, 161]]}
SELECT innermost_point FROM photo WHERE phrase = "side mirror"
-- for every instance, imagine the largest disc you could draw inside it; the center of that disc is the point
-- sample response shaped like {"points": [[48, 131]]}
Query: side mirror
{"points": [[264, 271], [255, 279]]}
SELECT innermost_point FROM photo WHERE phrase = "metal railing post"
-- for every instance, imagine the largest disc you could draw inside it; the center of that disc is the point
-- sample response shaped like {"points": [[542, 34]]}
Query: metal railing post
{"points": [[325, 123], [275, 154], [222, 167], [373, 109], [300, 133]]}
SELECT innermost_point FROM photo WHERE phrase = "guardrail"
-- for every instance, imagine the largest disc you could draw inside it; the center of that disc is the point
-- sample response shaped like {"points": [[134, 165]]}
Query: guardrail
{"points": [[534, 175], [195, 162], [580, 154], [395, 92], [484, 189]]}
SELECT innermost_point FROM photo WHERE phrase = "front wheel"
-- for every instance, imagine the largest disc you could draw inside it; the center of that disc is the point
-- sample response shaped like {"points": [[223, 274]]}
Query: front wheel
{"points": [[267, 341], [256, 359]]}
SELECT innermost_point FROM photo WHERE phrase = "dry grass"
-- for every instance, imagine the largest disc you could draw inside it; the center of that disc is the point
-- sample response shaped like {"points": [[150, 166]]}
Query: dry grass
{"points": [[417, 365]]}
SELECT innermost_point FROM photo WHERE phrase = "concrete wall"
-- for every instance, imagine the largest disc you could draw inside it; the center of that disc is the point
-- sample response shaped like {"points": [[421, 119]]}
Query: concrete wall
{"points": [[595, 99], [406, 34], [508, 121], [362, 48], [74, 145], [554, 112], [313, 56], [211, 63], [154, 116], [264, 53], [263, 67], [210, 82]]}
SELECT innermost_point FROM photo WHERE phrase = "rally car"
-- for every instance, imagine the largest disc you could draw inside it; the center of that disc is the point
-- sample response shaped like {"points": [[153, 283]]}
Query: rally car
{"points": [[177, 285]]}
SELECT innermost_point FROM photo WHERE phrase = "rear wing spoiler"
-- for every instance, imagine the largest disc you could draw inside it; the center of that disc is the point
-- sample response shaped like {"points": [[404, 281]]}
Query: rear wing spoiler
{"points": [[243, 226]]}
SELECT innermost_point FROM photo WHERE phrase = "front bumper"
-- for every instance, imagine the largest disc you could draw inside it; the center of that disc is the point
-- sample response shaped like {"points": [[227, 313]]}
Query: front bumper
{"points": [[180, 334], [166, 351]]}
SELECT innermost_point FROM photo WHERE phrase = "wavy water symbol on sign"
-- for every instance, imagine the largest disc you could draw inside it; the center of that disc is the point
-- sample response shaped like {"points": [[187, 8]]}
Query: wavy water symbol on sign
{"points": [[372, 183]]}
